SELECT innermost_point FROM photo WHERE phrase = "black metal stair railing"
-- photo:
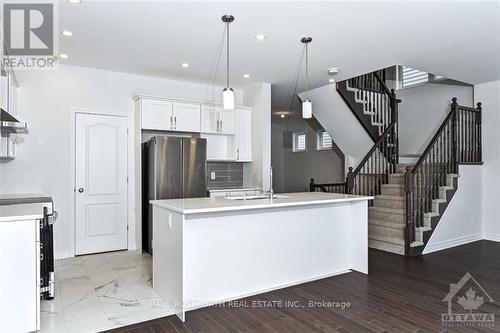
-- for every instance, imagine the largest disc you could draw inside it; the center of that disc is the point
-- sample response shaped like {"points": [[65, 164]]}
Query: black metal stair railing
{"points": [[458, 140]]}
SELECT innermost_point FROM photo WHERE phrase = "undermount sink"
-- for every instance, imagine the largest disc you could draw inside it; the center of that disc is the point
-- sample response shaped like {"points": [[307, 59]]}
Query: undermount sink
{"points": [[256, 197]]}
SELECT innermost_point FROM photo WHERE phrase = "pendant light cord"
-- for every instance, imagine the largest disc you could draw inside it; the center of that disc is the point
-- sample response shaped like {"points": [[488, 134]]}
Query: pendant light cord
{"points": [[307, 71], [216, 63], [227, 70], [296, 82]]}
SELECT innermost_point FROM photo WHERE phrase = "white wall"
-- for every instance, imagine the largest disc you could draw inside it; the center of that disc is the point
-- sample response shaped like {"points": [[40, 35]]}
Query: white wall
{"points": [[340, 122], [489, 95], [461, 222], [422, 110], [256, 174], [46, 99]]}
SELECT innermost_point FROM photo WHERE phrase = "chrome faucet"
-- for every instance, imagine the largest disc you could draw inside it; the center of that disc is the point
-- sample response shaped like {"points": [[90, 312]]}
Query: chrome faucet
{"points": [[271, 191]]}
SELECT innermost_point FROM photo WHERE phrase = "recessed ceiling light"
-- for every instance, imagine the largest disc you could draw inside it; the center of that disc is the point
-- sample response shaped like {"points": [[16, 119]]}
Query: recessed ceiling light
{"points": [[260, 37], [246, 76], [331, 80], [76, 2], [185, 65], [63, 56], [67, 33]]}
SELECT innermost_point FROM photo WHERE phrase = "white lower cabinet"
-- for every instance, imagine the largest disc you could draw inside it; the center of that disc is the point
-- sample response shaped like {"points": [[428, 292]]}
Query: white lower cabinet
{"points": [[19, 276]]}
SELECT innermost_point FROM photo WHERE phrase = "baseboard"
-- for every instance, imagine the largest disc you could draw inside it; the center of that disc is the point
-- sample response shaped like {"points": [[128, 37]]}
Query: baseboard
{"points": [[452, 243], [491, 237], [63, 254]]}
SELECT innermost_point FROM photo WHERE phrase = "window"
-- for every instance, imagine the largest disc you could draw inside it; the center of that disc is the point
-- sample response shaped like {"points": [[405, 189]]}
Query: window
{"points": [[413, 77], [324, 140], [299, 142]]}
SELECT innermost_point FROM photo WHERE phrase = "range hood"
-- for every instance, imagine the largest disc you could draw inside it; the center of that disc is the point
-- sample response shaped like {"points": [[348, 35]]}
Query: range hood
{"points": [[5, 116]]}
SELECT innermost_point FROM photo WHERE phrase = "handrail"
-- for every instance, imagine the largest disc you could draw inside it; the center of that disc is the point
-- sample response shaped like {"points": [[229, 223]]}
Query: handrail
{"points": [[375, 146], [434, 138], [468, 108], [322, 187], [387, 91]]}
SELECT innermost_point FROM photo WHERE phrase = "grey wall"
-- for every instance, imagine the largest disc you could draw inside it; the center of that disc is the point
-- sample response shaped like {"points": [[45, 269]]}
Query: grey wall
{"points": [[422, 110], [293, 170]]}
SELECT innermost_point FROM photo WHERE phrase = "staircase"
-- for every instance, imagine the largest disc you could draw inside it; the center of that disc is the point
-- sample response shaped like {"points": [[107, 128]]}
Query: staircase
{"points": [[369, 99], [387, 216], [410, 195]]}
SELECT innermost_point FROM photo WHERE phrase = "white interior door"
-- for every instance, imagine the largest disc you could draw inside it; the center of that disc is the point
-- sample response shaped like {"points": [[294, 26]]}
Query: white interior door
{"points": [[100, 183]]}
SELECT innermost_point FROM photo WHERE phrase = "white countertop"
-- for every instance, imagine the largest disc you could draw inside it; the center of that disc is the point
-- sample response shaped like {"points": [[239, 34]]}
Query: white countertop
{"points": [[22, 212], [221, 204]]}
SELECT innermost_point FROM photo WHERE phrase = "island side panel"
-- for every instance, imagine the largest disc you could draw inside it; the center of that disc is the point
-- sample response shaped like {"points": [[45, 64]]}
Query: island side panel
{"points": [[359, 236], [235, 254], [167, 259]]}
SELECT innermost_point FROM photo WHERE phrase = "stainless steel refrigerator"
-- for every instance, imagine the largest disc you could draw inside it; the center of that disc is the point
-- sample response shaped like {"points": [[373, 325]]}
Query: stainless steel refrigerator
{"points": [[173, 168]]}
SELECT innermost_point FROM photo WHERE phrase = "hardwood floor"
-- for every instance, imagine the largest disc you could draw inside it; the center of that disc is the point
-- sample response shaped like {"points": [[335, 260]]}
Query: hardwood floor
{"points": [[399, 295]]}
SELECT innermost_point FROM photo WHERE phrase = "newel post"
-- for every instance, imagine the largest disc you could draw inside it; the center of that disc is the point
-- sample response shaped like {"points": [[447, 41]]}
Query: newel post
{"points": [[311, 186], [409, 225], [454, 109], [349, 184], [479, 120]]}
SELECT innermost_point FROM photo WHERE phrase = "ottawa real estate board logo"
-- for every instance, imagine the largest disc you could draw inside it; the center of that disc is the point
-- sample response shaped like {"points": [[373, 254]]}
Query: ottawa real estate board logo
{"points": [[464, 301], [29, 35]]}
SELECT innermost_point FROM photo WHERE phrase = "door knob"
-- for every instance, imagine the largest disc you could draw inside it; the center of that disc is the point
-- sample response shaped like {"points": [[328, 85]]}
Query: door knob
{"points": [[80, 190]]}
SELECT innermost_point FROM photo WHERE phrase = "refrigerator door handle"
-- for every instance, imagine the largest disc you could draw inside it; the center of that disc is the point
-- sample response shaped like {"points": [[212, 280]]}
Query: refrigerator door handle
{"points": [[175, 122]]}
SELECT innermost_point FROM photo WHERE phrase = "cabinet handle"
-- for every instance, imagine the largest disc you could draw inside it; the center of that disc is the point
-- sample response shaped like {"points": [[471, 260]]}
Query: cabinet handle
{"points": [[238, 154], [175, 122], [221, 125], [218, 126], [171, 126]]}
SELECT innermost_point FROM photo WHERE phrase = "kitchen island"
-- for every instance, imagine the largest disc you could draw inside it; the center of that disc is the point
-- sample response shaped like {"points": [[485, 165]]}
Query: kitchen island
{"points": [[211, 250]]}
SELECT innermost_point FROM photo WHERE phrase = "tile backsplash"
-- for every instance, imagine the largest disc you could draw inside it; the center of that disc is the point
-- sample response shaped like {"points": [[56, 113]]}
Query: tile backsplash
{"points": [[227, 175]]}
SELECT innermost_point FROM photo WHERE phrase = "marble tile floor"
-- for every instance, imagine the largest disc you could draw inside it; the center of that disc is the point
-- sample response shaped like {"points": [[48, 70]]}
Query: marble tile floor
{"points": [[101, 291]]}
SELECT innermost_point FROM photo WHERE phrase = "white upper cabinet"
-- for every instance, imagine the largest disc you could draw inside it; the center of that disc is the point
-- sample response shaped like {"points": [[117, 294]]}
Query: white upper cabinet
{"points": [[166, 115], [226, 118], [228, 132], [156, 114], [217, 120], [243, 129], [186, 117], [210, 119]]}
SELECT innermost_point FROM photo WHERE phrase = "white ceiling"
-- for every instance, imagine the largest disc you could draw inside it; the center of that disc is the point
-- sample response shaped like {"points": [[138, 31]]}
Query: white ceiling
{"points": [[460, 40]]}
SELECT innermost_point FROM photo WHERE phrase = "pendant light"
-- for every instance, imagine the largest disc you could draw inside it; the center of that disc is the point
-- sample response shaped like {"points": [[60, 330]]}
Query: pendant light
{"points": [[228, 92], [307, 105]]}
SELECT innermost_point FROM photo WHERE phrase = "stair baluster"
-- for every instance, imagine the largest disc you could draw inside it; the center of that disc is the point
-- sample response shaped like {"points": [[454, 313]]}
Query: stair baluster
{"points": [[457, 140]]}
